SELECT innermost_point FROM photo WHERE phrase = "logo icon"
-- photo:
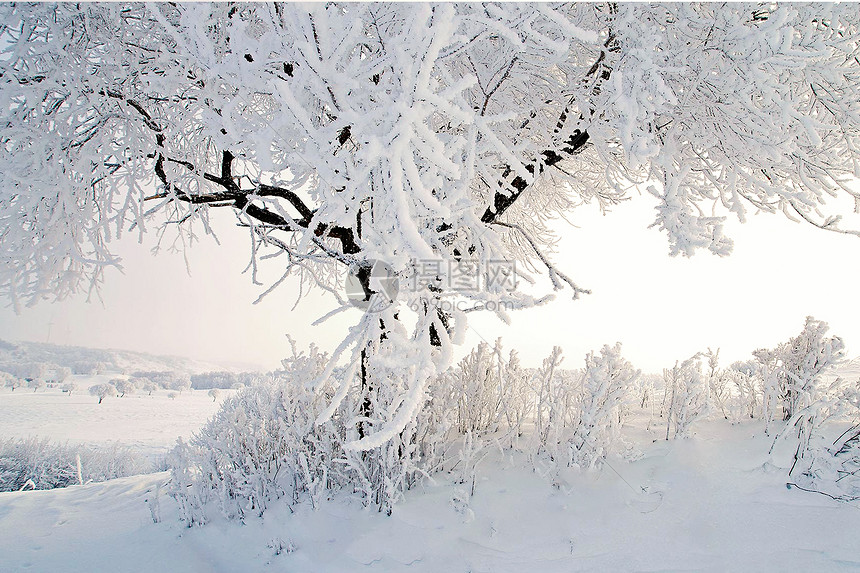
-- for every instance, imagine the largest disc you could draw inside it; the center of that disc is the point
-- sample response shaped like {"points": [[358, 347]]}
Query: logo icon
{"points": [[372, 286]]}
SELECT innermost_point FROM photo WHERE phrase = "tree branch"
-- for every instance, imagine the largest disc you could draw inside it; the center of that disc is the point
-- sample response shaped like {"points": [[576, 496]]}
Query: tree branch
{"points": [[508, 194]]}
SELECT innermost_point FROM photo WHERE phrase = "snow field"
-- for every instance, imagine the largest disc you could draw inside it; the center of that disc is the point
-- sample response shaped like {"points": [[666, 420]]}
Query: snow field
{"points": [[714, 502], [150, 424]]}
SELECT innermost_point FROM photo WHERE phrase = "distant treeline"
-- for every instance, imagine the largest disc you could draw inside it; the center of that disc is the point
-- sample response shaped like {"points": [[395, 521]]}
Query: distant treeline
{"points": [[209, 380]]}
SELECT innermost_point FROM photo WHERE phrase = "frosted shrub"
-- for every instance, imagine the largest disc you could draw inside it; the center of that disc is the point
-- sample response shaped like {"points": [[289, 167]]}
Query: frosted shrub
{"points": [[518, 401], [606, 381], [488, 391], [792, 372], [822, 463], [719, 390], [266, 443], [579, 413], [42, 464], [478, 383], [553, 402], [804, 359], [645, 388], [746, 391], [832, 470], [687, 389], [261, 445]]}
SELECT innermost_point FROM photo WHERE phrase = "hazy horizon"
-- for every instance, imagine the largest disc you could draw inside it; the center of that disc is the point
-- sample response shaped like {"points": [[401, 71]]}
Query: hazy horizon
{"points": [[661, 308]]}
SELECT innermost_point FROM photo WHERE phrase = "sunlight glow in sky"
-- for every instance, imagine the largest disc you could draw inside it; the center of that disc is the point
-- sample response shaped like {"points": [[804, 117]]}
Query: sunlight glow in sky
{"points": [[661, 308]]}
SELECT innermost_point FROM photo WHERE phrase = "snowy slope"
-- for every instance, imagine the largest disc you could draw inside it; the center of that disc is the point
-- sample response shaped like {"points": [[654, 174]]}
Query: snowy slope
{"points": [[714, 503]]}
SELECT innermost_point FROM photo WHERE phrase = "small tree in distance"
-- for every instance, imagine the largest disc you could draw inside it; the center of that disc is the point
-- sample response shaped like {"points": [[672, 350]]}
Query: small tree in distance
{"points": [[124, 387], [11, 380], [147, 385], [36, 383], [181, 383], [102, 391], [214, 393]]}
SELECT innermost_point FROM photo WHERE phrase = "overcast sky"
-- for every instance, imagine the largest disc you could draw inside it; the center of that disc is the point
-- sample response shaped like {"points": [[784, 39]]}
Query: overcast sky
{"points": [[661, 308]]}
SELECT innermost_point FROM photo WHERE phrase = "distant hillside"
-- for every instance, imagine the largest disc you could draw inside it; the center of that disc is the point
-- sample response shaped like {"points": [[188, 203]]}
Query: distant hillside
{"points": [[114, 360]]}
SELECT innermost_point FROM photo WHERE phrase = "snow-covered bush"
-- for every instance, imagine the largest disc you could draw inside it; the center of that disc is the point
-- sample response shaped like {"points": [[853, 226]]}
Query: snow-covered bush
{"points": [[792, 372], [553, 402], [687, 393], [833, 470], [265, 443], [579, 413], [820, 462], [805, 358], [41, 464], [70, 387], [606, 381], [102, 391], [214, 393], [261, 445], [747, 390], [479, 382], [518, 400]]}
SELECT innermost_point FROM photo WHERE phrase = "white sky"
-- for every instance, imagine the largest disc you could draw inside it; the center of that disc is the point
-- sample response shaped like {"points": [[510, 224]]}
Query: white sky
{"points": [[662, 309]]}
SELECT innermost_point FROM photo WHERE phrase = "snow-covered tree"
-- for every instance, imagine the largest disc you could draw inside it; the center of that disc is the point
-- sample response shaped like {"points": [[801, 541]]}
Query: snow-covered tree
{"points": [[180, 383], [62, 373], [36, 383], [102, 391], [124, 386], [343, 134], [792, 372], [214, 393], [70, 387], [805, 358], [11, 380]]}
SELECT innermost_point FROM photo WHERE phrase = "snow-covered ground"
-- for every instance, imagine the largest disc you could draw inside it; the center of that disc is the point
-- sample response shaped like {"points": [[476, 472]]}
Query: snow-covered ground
{"points": [[716, 502], [150, 424]]}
